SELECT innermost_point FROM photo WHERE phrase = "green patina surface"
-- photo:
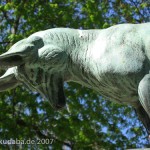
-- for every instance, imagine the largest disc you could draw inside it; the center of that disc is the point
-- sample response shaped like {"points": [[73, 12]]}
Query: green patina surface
{"points": [[114, 61]]}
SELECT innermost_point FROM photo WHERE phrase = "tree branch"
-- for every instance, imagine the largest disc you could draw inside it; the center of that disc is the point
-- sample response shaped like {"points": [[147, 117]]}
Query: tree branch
{"points": [[16, 24], [136, 5], [41, 135], [5, 42]]}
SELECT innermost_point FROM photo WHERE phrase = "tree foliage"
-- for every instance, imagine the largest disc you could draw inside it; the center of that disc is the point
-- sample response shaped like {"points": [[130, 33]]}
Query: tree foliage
{"points": [[89, 122]]}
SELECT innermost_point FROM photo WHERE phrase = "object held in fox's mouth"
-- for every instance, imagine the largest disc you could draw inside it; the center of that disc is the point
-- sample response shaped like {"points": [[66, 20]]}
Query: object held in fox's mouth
{"points": [[115, 62]]}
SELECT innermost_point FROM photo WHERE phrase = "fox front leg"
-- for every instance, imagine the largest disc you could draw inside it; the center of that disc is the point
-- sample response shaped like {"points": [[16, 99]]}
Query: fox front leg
{"points": [[144, 97]]}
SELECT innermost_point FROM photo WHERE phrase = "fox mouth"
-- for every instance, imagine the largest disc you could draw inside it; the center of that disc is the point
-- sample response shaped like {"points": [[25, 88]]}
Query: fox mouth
{"points": [[14, 59]]}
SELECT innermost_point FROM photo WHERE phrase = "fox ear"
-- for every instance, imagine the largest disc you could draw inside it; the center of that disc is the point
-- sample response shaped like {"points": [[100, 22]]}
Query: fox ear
{"points": [[20, 52], [8, 80]]}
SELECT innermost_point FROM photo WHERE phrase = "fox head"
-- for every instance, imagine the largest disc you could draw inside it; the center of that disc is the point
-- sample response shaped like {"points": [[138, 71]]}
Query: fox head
{"points": [[25, 66]]}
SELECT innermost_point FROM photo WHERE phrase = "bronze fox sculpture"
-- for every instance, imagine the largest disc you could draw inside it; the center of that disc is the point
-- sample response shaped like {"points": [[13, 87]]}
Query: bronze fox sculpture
{"points": [[115, 62]]}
